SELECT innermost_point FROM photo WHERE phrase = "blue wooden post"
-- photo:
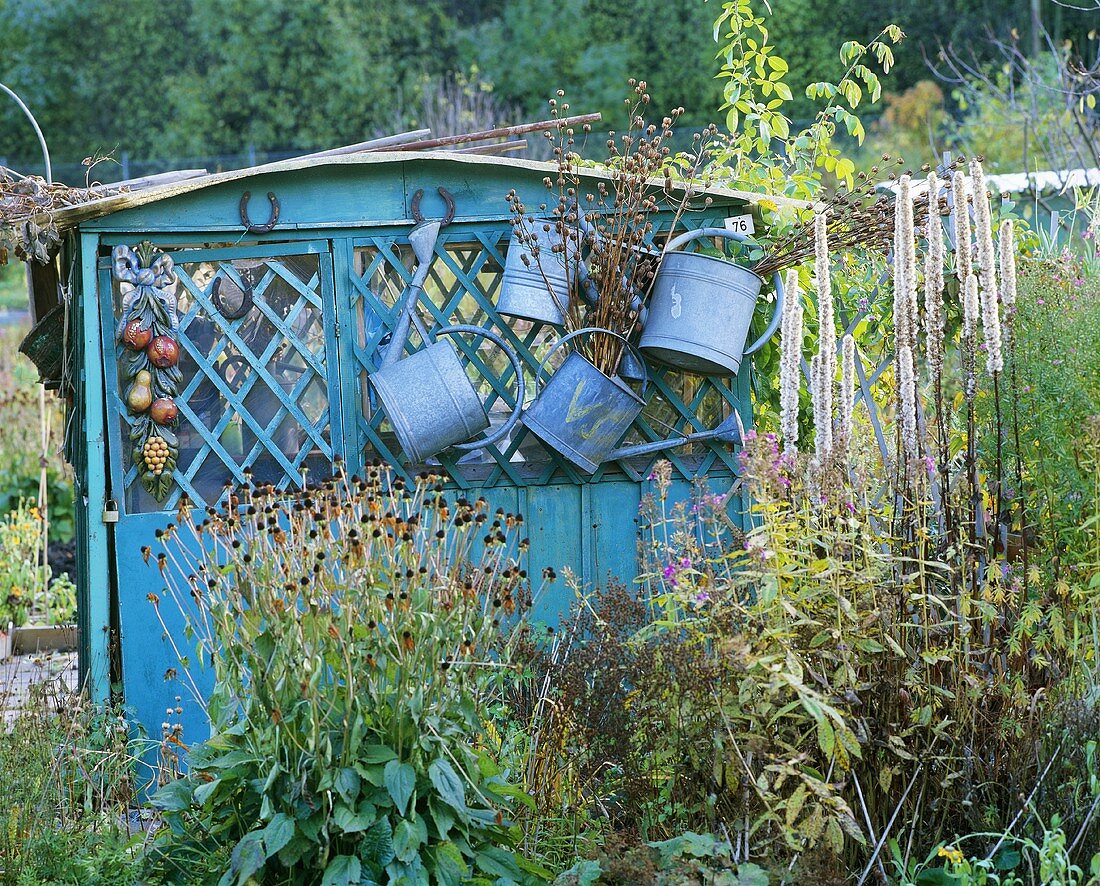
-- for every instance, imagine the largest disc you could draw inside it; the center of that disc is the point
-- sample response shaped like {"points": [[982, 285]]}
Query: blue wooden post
{"points": [[97, 553]]}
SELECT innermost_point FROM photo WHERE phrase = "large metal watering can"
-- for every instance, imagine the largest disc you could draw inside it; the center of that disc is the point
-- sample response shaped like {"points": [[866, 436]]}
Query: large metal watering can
{"points": [[429, 399], [582, 413], [700, 309]]}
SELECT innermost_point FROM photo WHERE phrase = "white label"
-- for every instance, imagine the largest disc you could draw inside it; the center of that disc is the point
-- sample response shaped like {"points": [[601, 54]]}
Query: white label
{"points": [[740, 224]]}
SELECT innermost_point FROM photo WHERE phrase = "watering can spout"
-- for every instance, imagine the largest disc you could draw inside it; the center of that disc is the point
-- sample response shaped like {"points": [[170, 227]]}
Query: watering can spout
{"points": [[729, 431]]}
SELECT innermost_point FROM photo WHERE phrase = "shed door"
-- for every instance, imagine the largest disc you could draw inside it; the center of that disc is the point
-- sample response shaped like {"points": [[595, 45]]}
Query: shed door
{"points": [[258, 396]]}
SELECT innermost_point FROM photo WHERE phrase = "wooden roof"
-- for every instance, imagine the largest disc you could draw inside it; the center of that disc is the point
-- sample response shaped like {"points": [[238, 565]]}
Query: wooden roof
{"points": [[73, 216]]}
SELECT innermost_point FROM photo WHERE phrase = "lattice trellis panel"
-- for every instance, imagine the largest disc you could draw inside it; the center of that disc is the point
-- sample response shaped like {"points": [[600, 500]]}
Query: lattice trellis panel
{"points": [[463, 287], [255, 395]]}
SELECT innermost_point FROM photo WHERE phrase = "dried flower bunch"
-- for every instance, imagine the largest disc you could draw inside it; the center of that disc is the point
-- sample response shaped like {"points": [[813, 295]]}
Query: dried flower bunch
{"points": [[861, 217], [610, 224]]}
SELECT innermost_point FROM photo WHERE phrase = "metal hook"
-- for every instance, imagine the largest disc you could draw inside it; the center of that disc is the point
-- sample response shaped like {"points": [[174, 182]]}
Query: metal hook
{"points": [[269, 225], [447, 198], [231, 313]]}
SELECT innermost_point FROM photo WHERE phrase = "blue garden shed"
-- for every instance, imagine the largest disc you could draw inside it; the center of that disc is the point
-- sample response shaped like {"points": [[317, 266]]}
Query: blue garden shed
{"points": [[282, 286]]}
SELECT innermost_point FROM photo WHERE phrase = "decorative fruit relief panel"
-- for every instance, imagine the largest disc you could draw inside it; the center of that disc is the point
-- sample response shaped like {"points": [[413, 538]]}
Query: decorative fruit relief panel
{"points": [[149, 357]]}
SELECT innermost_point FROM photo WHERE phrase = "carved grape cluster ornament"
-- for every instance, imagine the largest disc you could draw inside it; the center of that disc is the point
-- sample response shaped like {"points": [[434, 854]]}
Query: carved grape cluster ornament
{"points": [[148, 345]]}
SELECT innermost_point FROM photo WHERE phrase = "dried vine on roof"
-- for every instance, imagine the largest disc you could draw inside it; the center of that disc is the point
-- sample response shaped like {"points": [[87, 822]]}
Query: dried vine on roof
{"points": [[27, 206]]}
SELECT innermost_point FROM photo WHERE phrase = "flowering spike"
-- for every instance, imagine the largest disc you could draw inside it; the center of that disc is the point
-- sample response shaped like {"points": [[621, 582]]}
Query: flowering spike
{"points": [[961, 214], [847, 395], [823, 393], [790, 362], [933, 281], [1007, 244], [908, 390]]}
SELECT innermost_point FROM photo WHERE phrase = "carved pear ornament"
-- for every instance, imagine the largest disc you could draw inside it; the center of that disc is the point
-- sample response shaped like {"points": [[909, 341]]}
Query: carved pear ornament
{"points": [[148, 353]]}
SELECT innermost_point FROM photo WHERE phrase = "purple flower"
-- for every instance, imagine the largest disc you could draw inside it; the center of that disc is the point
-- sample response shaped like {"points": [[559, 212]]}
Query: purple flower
{"points": [[929, 465], [670, 571], [702, 597], [850, 506], [863, 305]]}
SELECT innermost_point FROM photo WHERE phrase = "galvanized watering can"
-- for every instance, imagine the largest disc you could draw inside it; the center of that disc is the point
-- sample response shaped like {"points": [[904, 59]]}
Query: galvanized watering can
{"points": [[582, 413], [429, 399], [700, 309], [535, 287]]}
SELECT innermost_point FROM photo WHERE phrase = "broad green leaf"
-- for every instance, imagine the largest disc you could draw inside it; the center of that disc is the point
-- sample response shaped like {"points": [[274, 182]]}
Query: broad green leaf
{"points": [[447, 782], [377, 844], [174, 796], [347, 784], [277, 833], [498, 862], [450, 866], [344, 870], [248, 856], [407, 838], [351, 821], [377, 753], [400, 779]]}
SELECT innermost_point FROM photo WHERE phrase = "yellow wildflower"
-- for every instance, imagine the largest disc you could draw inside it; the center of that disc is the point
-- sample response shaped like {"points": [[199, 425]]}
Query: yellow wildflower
{"points": [[955, 856]]}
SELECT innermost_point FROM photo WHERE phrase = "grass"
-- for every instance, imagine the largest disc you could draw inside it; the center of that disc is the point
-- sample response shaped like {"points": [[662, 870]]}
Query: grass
{"points": [[13, 287]]}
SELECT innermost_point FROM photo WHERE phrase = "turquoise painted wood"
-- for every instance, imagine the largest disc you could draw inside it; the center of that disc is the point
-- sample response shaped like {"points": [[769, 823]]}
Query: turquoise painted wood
{"points": [[284, 390]]}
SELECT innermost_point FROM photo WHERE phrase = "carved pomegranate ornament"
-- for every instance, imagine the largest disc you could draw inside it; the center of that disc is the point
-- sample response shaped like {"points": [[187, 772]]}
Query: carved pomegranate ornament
{"points": [[136, 336], [163, 411], [163, 352]]}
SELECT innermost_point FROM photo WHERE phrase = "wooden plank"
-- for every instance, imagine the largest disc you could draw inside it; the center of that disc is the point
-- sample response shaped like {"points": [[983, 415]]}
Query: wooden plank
{"points": [[550, 515]]}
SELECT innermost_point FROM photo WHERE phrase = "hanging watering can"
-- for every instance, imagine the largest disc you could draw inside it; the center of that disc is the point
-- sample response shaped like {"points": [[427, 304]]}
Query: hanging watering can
{"points": [[535, 287], [582, 413], [700, 309], [430, 401]]}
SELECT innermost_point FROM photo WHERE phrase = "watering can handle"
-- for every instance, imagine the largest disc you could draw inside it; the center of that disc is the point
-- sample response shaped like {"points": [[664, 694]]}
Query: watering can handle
{"points": [[777, 278], [517, 367], [589, 329]]}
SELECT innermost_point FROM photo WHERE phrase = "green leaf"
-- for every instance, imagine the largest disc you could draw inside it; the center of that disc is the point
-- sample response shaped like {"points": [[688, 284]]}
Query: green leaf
{"points": [[344, 870], [352, 821], [248, 856], [407, 838], [450, 866], [174, 796], [498, 862], [205, 790], [277, 833], [749, 874], [347, 784], [377, 753], [447, 782], [377, 844], [400, 779]]}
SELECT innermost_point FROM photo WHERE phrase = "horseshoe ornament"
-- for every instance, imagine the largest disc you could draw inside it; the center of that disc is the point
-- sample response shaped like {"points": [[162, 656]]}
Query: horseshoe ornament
{"points": [[268, 226], [230, 313], [447, 198]]}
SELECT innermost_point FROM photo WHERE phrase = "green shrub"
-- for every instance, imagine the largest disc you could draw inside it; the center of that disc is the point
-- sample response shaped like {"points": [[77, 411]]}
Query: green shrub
{"points": [[359, 639]]}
